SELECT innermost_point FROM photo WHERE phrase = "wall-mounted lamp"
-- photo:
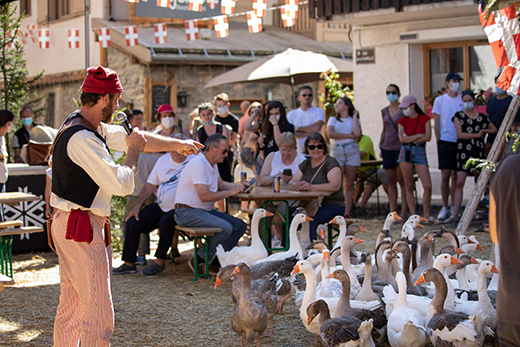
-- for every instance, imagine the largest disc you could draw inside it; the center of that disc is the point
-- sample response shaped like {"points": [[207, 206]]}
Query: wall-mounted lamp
{"points": [[182, 98]]}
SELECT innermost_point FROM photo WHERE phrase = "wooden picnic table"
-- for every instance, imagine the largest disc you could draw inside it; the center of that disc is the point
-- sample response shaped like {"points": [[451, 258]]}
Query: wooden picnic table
{"points": [[265, 196], [13, 198], [370, 163]]}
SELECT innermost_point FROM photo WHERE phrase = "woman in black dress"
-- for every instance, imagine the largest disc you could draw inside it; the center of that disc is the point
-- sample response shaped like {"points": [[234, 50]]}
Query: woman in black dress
{"points": [[471, 127]]}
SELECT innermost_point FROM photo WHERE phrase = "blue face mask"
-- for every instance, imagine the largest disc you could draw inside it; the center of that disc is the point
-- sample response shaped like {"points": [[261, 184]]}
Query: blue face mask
{"points": [[500, 91], [204, 123], [27, 121], [392, 97]]}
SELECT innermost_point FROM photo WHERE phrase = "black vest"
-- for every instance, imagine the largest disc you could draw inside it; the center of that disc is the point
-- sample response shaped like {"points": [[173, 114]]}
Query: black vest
{"points": [[69, 180]]}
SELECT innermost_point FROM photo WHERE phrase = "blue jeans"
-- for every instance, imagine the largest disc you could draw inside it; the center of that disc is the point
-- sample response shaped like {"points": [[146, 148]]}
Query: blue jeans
{"points": [[232, 228], [324, 215]]}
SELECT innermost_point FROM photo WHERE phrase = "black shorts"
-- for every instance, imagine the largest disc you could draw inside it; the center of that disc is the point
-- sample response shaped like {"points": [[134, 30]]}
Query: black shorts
{"points": [[447, 153], [389, 159]]}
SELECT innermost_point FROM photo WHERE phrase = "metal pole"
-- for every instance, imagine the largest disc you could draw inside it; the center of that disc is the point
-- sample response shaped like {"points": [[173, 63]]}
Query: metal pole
{"points": [[87, 34], [292, 91]]}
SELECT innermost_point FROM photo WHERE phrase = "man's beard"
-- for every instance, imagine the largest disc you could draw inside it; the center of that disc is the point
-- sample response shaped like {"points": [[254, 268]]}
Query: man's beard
{"points": [[106, 113]]}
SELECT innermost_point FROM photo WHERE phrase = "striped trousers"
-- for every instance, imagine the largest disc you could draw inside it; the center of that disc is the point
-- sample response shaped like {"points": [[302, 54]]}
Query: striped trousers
{"points": [[85, 312]]}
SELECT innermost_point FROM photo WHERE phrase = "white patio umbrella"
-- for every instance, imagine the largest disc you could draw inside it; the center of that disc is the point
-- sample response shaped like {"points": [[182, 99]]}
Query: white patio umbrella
{"points": [[289, 67]]}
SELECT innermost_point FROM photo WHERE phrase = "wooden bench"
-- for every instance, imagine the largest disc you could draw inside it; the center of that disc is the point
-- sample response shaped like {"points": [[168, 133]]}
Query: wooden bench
{"points": [[204, 234], [7, 230], [5, 281]]}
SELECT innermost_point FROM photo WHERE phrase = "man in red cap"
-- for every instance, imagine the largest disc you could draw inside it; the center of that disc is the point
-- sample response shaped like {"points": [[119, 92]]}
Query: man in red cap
{"points": [[84, 179]]}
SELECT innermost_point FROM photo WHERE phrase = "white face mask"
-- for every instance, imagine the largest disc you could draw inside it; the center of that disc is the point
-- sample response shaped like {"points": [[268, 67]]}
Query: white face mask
{"points": [[222, 110], [277, 117], [455, 87], [408, 111], [167, 122]]}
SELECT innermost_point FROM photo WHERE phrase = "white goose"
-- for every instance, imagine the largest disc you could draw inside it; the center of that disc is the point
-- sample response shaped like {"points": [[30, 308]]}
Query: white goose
{"points": [[344, 231], [328, 287], [246, 254], [406, 326], [294, 243]]}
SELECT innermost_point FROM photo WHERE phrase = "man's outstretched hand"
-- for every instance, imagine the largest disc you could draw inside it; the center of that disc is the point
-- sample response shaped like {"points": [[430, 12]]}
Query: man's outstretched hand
{"points": [[187, 147]]}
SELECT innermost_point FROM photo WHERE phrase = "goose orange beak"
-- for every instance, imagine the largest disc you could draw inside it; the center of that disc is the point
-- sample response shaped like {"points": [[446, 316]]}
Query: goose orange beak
{"points": [[309, 320], [494, 269], [417, 225], [308, 219], [470, 240], [331, 276], [362, 229], [479, 247], [420, 280], [236, 271], [422, 219], [431, 239], [326, 256], [455, 261], [218, 282], [458, 250], [334, 221], [322, 233], [296, 270], [268, 214], [474, 261], [396, 217], [359, 241]]}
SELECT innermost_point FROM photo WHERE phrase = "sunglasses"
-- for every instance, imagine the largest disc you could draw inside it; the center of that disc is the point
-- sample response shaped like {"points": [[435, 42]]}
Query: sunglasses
{"points": [[313, 147], [391, 92], [307, 95], [225, 151]]}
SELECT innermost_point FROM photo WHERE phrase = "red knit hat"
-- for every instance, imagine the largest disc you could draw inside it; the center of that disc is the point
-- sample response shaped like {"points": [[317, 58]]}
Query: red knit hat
{"points": [[101, 80]]}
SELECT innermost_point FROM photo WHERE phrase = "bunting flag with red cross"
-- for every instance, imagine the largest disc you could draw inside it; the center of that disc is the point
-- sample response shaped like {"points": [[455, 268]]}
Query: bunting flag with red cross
{"points": [[12, 33], [221, 26], [227, 7], [195, 5], [31, 32], [503, 32], [192, 30], [160, 32], [260, 7], [291, 8], [131, 36], [286, 19], [44, 38], [104, 37], [253, 22], [164, 3], [73, 38], [212, 4], [509, 79]]}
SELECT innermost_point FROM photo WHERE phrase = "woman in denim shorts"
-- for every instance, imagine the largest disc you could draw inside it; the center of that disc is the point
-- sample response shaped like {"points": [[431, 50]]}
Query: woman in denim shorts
{"points": [[344, 130], [414, 131]]}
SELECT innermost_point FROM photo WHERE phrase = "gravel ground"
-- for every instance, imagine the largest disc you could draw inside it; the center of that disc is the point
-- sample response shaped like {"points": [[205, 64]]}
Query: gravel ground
{"points": [[163, 310]]}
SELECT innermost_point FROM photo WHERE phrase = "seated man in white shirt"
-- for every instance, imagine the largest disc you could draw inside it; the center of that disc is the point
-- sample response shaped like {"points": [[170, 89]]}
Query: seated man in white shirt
{"points": [[197, 193], [165, 178], [307, 118]]}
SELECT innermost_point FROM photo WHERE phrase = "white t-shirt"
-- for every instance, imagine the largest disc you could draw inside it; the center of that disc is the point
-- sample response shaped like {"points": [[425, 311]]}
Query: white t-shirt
{"points": [[446, 107], [345, 126], [278, 166], [301, 118], [166, 175], [88, 152], [199, 171], [3, 166]]}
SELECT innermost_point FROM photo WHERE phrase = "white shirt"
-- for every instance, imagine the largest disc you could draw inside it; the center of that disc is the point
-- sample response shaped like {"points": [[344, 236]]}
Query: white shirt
{"points": [[345, 126], [3, 162], [278, 166], [301, 118], [88, 152], [166, 174], [446, 107], [199, 171]]}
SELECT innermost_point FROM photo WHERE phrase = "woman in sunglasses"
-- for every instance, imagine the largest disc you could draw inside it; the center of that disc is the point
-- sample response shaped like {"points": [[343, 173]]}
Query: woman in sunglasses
{"points": [[471, 128], [344, 130], [390, 147], [414, 131], [320, 172]]}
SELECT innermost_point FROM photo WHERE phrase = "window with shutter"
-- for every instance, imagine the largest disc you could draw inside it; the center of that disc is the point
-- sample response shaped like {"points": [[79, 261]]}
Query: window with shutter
{"points": [[43, 11]]}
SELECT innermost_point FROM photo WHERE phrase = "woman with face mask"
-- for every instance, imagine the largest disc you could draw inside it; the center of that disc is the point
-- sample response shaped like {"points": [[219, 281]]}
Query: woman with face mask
{"points": [[471, 128], [272, 126], [344, 130], [414, 131], [166, 119], [6, 126], [390, 147]]}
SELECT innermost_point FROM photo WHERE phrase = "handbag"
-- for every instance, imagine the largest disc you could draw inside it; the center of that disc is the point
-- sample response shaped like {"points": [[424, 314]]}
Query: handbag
{"points": [[312, 206], [38, 152]]}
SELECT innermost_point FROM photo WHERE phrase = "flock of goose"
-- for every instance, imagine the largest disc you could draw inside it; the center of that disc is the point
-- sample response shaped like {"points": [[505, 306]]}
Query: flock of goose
{"points": [[400, 295]]}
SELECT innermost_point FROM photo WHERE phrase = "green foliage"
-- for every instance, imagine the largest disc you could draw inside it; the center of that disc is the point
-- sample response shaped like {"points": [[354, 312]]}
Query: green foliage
{"points": [[334, 90], [481, 164], [117, 206], [516, 138], [17, 85]]}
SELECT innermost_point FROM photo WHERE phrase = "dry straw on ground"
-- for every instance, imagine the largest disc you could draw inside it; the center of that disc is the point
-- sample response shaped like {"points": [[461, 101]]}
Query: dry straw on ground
{"points": [[163, 310]]}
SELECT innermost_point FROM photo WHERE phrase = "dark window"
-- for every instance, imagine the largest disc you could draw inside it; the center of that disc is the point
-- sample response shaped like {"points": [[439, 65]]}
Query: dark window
{"points": [[25, 7], [58, 9]]}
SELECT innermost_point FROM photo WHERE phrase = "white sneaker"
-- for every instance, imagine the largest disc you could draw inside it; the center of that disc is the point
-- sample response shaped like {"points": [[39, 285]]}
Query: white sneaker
{"points": [[443, 214]]}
